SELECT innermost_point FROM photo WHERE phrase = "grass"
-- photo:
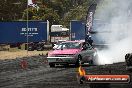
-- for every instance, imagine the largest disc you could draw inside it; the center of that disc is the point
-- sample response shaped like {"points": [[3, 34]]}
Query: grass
{"points": [[14, 53]]}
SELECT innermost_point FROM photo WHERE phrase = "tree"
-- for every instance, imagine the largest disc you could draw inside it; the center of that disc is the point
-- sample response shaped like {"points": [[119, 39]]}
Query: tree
{"points": [[11, 10], [56, 11], [41, 14]]}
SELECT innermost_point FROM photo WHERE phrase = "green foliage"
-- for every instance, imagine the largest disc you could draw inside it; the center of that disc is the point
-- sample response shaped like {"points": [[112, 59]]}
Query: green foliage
{"points": [[41, 14], [11, 10], [56, 11]]}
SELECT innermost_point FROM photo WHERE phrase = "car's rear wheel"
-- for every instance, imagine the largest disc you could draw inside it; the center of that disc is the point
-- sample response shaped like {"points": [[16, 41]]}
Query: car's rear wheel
{"points": [[51, 65], [79, 61], [91, 62]]}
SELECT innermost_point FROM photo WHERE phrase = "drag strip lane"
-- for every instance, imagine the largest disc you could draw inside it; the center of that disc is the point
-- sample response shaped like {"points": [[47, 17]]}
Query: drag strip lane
{"points": [[27, 77]]}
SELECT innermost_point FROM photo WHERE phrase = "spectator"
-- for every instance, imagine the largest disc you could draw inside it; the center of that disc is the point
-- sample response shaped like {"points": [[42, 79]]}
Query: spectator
{"points": [[86, 38]]}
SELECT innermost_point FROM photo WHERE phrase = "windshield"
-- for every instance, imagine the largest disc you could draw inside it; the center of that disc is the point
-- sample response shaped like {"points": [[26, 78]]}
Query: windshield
{"points": [[69, 45]]}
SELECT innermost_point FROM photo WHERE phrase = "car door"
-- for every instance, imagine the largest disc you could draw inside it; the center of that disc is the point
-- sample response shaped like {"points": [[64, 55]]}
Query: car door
{"points": [[87, 52]]}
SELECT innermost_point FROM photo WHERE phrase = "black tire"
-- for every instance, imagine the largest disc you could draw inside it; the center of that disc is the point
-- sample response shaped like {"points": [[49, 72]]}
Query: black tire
{"points": [[30, 49], [40, 49], [91, 62], [51, 65], [19, 47], [79, 60]]}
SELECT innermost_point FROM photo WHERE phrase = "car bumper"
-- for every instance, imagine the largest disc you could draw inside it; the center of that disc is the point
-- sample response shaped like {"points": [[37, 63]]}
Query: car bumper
{"points": [[61, 59]]}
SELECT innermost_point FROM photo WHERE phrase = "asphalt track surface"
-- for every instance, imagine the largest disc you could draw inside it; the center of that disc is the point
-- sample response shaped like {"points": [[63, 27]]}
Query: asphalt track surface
{"points": [[38, 74]]}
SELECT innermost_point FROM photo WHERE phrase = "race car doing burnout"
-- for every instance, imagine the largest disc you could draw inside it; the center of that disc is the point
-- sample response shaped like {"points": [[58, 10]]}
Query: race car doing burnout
{"points": [[72, 52]]}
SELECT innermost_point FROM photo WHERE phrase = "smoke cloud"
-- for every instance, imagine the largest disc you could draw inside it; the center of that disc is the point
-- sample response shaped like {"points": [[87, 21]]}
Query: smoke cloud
{"points": [[117, 16]]}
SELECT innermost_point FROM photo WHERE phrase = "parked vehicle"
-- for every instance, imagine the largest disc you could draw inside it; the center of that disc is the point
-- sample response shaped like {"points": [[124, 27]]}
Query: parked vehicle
{"points": [[58, 32], [59, 35], [72, 52], [15, 33], [77, 29], [55, 28]]}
